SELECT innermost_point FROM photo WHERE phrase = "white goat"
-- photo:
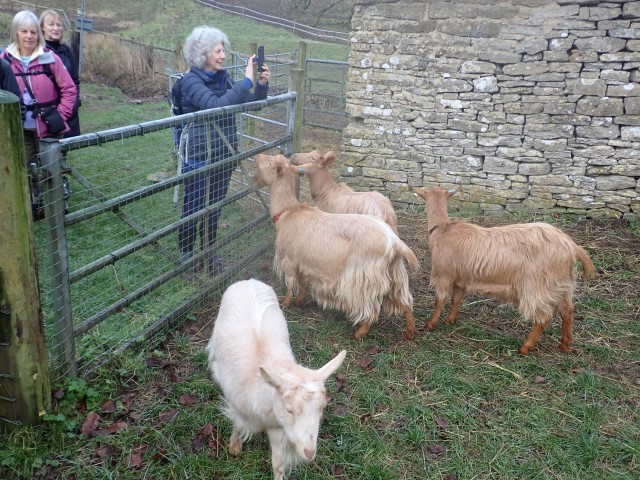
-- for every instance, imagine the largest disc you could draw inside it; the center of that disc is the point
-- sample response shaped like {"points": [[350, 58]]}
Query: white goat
{"points": [[264, 388], [531, 265], [353, 263], [333, 197]]}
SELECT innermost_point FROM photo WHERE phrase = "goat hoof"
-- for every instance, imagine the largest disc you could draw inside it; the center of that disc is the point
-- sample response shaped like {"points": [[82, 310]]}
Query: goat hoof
{"points": [[408, 335], [524, 350], [564, 347], [430, 327]]}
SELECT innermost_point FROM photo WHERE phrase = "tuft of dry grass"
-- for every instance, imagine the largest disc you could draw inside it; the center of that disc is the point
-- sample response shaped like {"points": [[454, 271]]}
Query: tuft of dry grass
{"points": [[134, 69]]}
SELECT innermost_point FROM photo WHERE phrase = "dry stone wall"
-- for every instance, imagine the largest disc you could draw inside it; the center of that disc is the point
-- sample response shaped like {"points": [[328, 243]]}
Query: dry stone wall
{"points": [[532, 104]]}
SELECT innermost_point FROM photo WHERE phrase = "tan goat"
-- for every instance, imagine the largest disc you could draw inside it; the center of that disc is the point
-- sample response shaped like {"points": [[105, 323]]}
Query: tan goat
{"points": [[333, 197], [352, 263], [531, 265]]}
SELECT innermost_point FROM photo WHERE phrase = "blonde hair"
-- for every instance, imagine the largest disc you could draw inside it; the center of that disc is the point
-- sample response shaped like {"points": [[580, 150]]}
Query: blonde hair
{"points": [[56, 16]]}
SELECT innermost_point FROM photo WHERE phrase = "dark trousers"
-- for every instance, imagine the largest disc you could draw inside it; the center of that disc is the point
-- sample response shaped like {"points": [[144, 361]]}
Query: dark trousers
{"points": [[195, 198]]}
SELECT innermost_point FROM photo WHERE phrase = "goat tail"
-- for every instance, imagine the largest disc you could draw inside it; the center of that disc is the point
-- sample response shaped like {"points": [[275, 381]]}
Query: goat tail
{"points": [[588, 270], [409, 257]]}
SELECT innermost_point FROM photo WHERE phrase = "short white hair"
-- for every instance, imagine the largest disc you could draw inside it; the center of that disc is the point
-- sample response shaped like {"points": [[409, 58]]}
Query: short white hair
{"points": [[200, 42], [26, 19]]}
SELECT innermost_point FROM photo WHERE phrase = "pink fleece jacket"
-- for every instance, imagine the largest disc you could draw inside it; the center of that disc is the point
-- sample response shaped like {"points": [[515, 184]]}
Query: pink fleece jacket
{"points": [[42, 87]]}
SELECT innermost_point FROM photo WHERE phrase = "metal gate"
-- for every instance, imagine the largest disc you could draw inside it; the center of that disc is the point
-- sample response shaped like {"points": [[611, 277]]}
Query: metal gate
{"points": [[109, 271]]}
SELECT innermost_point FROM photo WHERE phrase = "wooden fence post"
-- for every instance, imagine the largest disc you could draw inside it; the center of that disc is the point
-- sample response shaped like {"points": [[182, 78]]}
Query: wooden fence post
{"points": [[296, 84], [24, 374]]}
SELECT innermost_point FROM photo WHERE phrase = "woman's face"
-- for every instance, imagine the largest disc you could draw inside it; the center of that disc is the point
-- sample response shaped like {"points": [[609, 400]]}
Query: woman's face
{"points": [[52, 28], [27, 40], [215, 58]]}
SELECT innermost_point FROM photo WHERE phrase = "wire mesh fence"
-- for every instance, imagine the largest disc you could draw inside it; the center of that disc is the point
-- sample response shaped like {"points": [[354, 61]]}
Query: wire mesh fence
{"points": [[113, 269], [325, 97]]}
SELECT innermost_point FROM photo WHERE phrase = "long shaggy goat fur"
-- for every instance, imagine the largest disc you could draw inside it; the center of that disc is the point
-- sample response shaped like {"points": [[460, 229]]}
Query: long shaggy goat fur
{"points": [[530, 265], [333, 197], [352, 263], [264, 388]]}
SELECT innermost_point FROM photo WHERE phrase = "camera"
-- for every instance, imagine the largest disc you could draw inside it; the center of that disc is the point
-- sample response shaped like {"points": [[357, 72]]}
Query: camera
{"points": [[260, 58]]}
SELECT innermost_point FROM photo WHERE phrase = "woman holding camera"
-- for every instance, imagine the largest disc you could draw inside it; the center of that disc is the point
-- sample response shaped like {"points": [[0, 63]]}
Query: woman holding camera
{"points": [[46, 89], [207, 85]]}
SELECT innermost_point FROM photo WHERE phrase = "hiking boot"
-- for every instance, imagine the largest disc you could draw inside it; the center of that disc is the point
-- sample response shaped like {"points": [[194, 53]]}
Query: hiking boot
{"points": [[189, 274], [215, 265]]}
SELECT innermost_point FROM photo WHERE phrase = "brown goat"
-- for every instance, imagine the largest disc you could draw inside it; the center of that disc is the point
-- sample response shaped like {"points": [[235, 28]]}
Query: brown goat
{"points": [[333, 197], [352, 263], [531, 265]]}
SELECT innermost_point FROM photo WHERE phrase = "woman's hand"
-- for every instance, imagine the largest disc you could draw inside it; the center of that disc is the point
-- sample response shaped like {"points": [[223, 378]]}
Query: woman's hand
{"points": [[263, 77]]}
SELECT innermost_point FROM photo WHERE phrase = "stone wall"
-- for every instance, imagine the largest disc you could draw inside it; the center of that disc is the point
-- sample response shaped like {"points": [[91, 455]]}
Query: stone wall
{"points": [[532, 104]]}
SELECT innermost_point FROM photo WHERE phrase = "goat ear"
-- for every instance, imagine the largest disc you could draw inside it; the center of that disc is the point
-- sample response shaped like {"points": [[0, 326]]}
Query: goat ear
{"points": [[453, 191], [270, 380], [332, 365], [418, 191], [329, 158]]}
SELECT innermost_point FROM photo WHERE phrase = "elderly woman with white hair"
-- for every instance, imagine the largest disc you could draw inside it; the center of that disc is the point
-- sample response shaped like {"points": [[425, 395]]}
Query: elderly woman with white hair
{"points": [[207, 85]]}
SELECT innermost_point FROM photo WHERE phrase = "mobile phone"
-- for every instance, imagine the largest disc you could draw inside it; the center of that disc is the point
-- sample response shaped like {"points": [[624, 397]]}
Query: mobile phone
{"points": [[260, 58]]}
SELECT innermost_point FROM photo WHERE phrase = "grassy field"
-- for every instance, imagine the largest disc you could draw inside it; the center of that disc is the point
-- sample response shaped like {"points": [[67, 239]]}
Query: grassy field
{"points": [[457, 403]]}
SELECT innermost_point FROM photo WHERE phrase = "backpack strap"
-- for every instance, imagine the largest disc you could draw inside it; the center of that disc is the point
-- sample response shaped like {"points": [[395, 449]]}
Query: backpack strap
{"points": [[46, 70]]}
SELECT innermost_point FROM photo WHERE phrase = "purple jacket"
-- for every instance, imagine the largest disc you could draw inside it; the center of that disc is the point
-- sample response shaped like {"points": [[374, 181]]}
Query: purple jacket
{"points": [[41, 85]]}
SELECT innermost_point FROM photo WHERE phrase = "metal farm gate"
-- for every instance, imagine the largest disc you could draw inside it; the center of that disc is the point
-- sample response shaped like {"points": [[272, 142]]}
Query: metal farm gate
{"points": [[109, 271]]}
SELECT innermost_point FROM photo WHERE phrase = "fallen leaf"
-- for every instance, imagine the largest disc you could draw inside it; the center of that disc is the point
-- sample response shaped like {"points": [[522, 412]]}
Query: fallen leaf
{"points": [[365, 417], [442, 423], [187, 400], [336, 470], [539, 379], [108, 407], [90, 423], [58, 394], [167, 415], [365, 363], [161, 456], [340, 381], [134, 461], [106, 451], [437, 451], [373, 350], [127, 398], [340, 412], [117, 426]]}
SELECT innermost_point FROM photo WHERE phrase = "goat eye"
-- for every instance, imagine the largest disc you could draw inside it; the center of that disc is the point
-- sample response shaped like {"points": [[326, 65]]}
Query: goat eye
{"points": [[290, 412]]}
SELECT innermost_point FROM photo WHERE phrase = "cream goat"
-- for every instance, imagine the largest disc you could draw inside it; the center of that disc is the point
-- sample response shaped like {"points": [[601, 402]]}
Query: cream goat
{"points": [[264, 388], [333, 197], [531, 265], [352, 263]]}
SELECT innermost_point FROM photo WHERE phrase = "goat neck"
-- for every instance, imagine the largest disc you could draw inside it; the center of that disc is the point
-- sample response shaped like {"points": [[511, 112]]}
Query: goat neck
{"points": [[321, 182], [282, 194], [436, 205]]}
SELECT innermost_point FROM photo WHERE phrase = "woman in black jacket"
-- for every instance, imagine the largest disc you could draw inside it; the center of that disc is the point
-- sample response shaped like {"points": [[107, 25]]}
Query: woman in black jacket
{"points": [[207, 85], [52, 29]]}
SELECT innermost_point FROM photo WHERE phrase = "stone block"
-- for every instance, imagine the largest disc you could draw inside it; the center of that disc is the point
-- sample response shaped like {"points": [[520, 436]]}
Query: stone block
{"points": [[600, 106], [526, 68], [600, 44], [615, 182], [626, 90], [584, 86], [500, 165]]}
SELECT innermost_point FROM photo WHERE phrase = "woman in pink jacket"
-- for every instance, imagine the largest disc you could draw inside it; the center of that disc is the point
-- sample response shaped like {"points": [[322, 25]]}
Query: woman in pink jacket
{"points": [[47, 89]]}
